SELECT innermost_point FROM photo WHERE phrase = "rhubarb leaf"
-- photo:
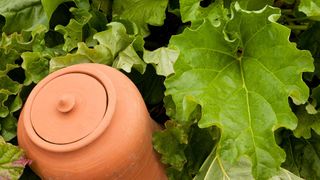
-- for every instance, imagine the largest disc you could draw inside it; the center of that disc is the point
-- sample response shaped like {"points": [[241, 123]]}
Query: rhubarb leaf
{"points": [[162, 60], [311, 8], [12, 161], [303, 156], [191, 10], [306, 123], [73, 32], [241, 76], [141, 12], [22, 15]]}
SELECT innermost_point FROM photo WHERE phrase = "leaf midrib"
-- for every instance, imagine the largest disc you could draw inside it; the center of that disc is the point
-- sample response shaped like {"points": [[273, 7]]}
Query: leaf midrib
{"points": [[248, 106]]}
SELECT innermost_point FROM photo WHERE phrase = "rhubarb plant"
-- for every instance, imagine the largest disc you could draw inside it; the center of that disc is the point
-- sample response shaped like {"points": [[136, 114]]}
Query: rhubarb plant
{"points": [[235, 83]]}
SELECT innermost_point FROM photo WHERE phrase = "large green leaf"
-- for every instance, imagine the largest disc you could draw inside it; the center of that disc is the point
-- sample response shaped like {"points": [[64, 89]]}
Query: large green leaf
{"points": [[22, 15], [285, 175], [141, 12], [12, 161], [215, 168], [311, 8], [242, 83]]}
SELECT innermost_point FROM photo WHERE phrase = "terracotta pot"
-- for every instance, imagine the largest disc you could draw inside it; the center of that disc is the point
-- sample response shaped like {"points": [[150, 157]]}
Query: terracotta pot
{"points": [[88, 121]]}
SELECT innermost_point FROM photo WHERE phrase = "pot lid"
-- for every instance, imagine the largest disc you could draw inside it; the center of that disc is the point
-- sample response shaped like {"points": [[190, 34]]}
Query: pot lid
{"points": [[68, 108]]}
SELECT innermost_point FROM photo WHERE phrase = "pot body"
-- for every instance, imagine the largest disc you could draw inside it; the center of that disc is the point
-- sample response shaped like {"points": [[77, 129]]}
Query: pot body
{"points": [[118, 147]]}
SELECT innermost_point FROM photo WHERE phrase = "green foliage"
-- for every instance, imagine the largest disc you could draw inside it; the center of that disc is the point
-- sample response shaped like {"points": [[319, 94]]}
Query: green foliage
{"points": [[12, 161], [191, 10], [235, 82], [311, 8], [307, 122], [22, 15], [73, 32], [302, 155], [221, 74], [141, 12], [162, 59]]}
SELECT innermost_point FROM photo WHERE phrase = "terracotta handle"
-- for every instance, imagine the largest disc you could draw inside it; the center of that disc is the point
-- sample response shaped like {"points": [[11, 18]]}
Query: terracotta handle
{"points": [[66, 103]]}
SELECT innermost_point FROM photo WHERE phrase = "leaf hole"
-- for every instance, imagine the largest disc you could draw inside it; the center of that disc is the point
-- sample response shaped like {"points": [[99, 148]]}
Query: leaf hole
{"points": [[239, 52], [206, 3], [17, 75], [160, 35], [53, 38], [61, 15]]}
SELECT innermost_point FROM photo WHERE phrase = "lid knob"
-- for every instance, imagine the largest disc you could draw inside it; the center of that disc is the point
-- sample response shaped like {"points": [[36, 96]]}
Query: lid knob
{"points": [[66, 103]]}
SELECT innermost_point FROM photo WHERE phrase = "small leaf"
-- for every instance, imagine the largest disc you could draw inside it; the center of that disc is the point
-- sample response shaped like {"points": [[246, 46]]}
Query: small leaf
{"points": [[12, 161], [8, 127], [311, 8], [60, 62], [99, 53], [102, 5], [73, 32], [50, 6], [141, 12], [128, 59], [171, 144], [191, 10], [309, 40], [254, 4], [162, 60], [4, 110], [26, 41], [36, 67], [115, 38], [115, 48], [306, 122], [7, 87], [7, 60], [303, 156]]}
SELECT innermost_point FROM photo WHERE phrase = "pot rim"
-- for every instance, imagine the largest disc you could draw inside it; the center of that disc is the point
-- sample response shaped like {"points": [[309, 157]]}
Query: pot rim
{"points": [[103, 124]]}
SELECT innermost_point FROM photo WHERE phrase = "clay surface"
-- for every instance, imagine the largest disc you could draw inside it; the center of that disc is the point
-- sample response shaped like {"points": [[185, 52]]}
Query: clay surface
{"points": [[88, 121]]}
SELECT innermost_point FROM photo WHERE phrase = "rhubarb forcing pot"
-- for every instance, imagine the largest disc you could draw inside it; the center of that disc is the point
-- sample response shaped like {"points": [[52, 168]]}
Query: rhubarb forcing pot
{"points": [[88, 121]]}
